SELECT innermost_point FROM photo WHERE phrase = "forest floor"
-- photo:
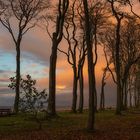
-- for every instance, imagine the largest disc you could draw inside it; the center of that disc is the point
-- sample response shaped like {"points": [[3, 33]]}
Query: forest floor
{"points": [[68, 126]]}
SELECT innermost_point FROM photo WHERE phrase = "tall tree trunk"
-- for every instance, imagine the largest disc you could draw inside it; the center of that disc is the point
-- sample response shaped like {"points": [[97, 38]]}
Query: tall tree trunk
{"points": [[118, 106], [103, 100], [95, 98], [52, 78], [130, 91], [102, 97], [94, 64], [130, 98], [56, 39], [138, 96], [75, 82], [119, 18], [81, 85], [117, 58], [91, 76], [125, 95], [135, 93], [16, 102]]}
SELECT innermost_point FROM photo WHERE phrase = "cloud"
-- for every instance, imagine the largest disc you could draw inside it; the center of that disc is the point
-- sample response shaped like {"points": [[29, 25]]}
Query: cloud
{"points": [[4, 90], [34, 43], [46, 70], [4, 80], [60, 87], [6, 72], [35, 53]]}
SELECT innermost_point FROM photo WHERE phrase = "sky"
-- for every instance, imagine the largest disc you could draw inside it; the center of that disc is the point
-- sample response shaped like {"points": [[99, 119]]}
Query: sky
{"points": [[35, 53]]}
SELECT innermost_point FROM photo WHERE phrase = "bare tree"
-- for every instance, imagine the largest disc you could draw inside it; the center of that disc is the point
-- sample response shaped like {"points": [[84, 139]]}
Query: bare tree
{"points": [[72, 50], [82, 56], [93, 15], [118, 16], [130, 52], [75, 48], [91, 75], [103, 83], [98, 14], [133, 84], [102, 96], [56, 39], [83, 53], [25, 13]]}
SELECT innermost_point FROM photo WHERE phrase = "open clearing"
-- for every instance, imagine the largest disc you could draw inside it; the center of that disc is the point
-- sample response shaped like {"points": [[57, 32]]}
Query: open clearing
{"points": [[70, 126]]}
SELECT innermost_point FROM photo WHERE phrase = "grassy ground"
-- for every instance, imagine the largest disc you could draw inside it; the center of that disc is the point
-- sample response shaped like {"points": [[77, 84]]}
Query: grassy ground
{"points": [[70, 126]]}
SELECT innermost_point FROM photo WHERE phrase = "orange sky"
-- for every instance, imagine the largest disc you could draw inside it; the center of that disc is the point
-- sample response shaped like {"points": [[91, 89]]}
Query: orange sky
{"points": [[36, 47]]}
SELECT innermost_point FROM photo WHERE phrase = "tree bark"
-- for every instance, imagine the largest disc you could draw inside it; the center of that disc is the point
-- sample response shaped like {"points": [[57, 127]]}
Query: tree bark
{"points": [[119, 18], [102, 96], [118, 106], [125, 96], [95, 97], [81, 88], [91, 76], [52, 78], [135, 92], [130, 98], [56, 39], [16, 102], [75, 82]]}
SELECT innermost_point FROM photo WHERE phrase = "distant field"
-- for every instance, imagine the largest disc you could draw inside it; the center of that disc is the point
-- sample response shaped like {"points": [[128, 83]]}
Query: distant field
{"points": [[68, 126]]}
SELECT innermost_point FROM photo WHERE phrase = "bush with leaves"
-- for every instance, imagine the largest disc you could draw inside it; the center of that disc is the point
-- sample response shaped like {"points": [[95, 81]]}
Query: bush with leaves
{"points": [[31, 100]]}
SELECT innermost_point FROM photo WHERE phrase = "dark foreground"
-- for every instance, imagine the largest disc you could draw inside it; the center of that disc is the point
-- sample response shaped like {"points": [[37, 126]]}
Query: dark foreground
{"points": [[70, 126]]}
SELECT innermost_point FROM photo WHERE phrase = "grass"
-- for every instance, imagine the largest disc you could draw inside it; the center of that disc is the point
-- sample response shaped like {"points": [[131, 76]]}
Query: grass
{"points": [[70, 126]]}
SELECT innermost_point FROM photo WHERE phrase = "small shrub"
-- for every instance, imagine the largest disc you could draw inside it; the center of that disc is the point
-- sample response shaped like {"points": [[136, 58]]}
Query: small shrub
{"points": [[31, 100]]}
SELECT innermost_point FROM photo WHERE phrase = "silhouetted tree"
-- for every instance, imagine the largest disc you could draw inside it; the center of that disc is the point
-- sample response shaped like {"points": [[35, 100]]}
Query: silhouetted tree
{"points": [[83, 51], [98, 11], [130, 53], [24, 14], [103, 83], [118, 16], [76, 47], [70, 27], [91, 75], [134, 85], [56, 39]]}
